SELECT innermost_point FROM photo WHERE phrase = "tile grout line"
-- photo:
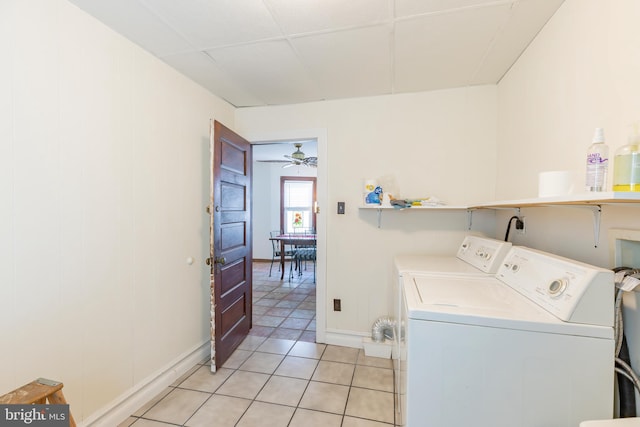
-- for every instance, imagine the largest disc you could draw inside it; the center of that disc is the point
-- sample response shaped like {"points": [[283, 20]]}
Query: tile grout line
{"points": [[285, 290]]}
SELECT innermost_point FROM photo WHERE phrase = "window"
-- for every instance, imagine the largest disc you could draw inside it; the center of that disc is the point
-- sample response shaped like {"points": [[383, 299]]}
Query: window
{"points": [[297, 198]]}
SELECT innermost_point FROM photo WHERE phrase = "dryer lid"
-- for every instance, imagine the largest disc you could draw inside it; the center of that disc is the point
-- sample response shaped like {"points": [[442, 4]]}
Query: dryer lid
{"points": [[434, 264]]}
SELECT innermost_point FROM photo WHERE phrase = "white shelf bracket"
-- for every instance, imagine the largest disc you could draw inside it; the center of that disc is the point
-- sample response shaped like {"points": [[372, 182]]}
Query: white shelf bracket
{"points": [[379, 216], [597, 215], [596, 210], [469, 218]]}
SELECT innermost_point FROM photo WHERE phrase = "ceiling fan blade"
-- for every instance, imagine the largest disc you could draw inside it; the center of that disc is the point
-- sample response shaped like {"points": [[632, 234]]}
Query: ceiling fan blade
{"points": [[273, 161], [288, 165]]}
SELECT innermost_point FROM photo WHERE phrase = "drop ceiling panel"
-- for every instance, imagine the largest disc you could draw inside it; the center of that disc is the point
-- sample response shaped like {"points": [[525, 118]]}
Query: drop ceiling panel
{"points": [[269, 70], [297, 17], [438, 51], [209, 24], [350, 63], [269, 52], [418, 7], [204, 71], [526, 20], [137, 23]]}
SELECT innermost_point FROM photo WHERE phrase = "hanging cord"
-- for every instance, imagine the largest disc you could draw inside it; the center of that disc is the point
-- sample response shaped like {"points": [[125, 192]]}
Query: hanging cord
{"points": [[519, 224], [625, 369]]}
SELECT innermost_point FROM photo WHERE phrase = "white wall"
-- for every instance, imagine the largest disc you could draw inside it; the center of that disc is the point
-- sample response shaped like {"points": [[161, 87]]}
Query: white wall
{"points": [[104, 172], [439, 144], [266, 203], [581, 72], [104, 179]]}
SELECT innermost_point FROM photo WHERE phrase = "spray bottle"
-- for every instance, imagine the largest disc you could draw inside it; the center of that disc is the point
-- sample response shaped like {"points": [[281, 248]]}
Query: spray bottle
{"points": [[597, 163]]}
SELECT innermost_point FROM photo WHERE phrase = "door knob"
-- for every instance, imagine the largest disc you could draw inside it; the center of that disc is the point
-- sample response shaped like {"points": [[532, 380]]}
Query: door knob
{"points": [[220, 260]]}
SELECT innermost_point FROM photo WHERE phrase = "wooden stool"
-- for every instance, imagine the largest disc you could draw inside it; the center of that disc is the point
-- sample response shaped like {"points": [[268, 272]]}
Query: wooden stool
{"points": [[39, 391]]}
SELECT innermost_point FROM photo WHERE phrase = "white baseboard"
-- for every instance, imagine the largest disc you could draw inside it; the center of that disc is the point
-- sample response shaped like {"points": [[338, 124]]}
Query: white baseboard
{"points": [[132, 400], [129, 402], [344, 338]]}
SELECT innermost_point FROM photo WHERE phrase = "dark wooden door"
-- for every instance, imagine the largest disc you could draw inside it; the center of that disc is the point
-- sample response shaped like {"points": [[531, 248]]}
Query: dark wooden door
{"points": [[231, 243]]}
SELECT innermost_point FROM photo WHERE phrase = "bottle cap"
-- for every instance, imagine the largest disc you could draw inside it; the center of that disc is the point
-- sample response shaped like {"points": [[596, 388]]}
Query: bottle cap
{"points": [[598, 136]]}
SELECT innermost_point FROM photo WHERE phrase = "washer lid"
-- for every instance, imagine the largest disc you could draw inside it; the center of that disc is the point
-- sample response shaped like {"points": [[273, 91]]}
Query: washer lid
{"points": [[435, 264], [484, 301]]}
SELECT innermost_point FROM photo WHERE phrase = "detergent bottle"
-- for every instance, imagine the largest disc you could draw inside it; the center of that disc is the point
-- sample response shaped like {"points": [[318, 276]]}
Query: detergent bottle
{"points": [[626, 165]]}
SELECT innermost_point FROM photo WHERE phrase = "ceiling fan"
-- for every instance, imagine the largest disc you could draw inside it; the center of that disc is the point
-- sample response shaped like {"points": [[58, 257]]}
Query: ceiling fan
{"points": [[297, 158]]}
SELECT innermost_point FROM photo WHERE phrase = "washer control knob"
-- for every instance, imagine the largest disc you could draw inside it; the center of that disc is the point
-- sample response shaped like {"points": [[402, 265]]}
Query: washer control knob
{"points": [[557, 287]]}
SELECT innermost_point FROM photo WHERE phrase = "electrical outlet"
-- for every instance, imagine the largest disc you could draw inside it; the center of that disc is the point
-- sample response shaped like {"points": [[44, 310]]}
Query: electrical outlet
{"points": [[521, 226], [337, 305]]}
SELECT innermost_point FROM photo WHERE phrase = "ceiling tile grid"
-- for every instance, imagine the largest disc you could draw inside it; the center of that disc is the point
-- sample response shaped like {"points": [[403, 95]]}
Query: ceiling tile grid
{"points": [[272, 52], [350, 63]]}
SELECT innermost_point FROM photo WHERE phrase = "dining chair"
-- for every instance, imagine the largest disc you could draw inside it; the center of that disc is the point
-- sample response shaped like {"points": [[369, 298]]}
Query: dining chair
{"points": [[275, 245], [303, 253]]}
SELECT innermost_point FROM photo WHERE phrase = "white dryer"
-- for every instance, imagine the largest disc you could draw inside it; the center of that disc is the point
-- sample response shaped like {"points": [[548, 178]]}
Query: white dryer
{"points": [[476, 256], [532, 346]]}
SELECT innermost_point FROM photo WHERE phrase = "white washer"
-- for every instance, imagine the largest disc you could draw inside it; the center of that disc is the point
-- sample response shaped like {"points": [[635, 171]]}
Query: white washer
{"points": [[532, 346]]}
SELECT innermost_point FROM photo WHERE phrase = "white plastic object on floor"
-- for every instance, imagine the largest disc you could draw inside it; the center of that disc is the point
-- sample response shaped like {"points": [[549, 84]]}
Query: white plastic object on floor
{"points": [[377, 349]]}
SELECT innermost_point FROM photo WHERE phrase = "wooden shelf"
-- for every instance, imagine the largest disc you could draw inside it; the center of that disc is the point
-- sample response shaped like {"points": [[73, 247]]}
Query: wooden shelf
{"points": [[424, 208], [583, 199], [592, 201], [380, 209]]}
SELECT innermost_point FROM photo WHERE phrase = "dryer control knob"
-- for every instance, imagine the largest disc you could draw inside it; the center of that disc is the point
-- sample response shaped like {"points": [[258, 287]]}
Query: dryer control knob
{"points": [[557, 287]]}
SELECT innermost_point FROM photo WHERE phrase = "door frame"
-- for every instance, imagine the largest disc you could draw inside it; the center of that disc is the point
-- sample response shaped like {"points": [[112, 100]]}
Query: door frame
{"points": [[320, 135]]}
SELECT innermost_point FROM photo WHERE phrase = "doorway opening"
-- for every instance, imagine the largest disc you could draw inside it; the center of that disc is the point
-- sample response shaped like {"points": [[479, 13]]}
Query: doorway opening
{"points": [[269, 215]]}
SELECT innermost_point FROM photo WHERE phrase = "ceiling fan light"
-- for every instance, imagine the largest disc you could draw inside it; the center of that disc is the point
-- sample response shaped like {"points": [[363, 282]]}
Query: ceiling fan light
{"points": [[298, 155]]}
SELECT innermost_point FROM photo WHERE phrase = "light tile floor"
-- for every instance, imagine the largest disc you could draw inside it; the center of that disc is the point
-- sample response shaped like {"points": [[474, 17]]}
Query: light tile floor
{"points": [[279, 376]]}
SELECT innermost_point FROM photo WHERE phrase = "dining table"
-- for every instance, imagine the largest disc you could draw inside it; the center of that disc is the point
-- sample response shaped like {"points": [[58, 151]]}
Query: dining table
{"points": [[292, 239]]}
